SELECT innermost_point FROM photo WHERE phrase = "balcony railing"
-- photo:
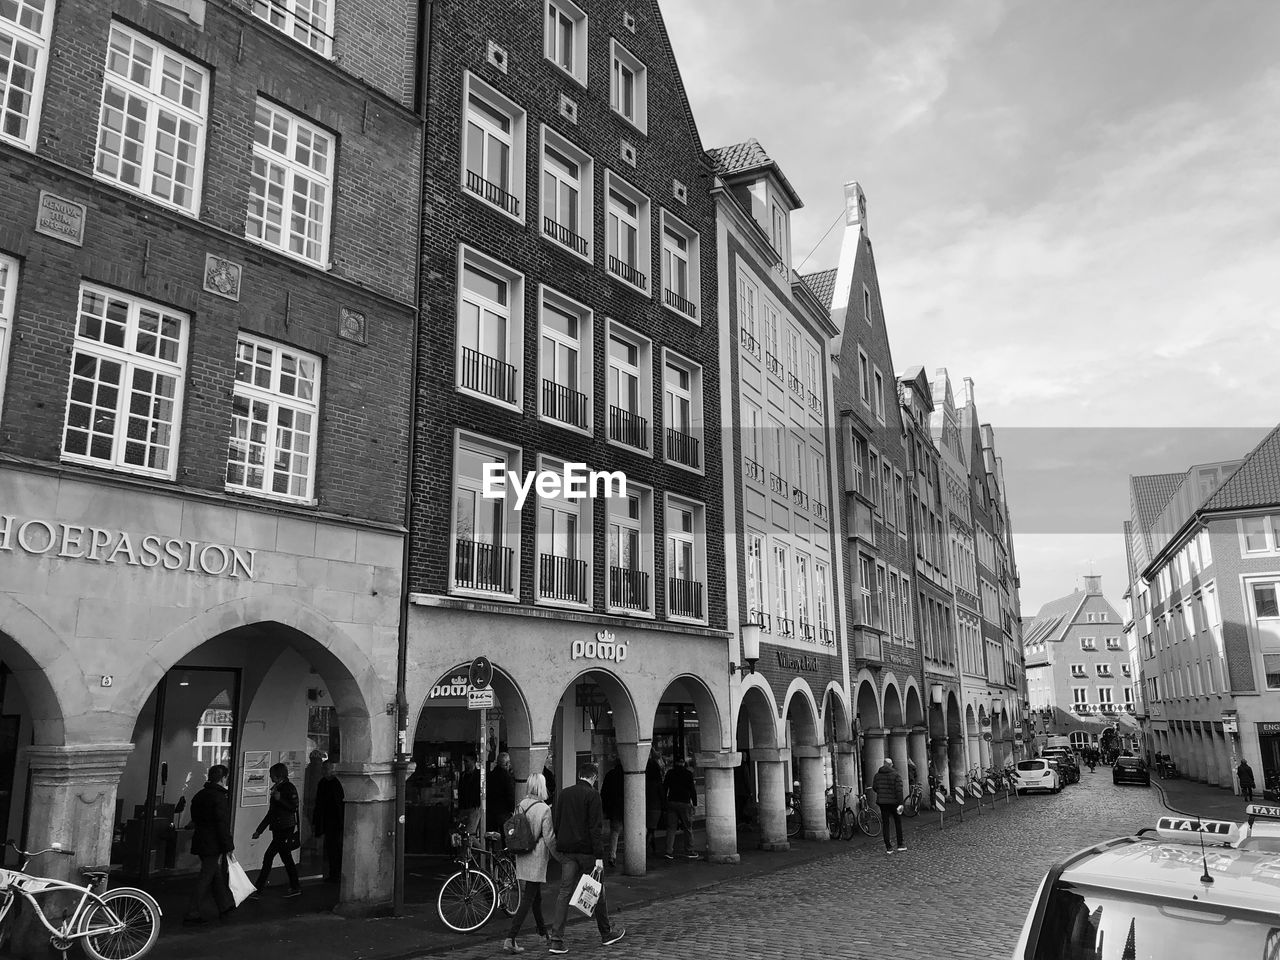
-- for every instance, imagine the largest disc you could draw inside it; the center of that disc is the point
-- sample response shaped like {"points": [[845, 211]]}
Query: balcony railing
{"points": [[684, 598], [815, 402], [763, 619], [796, 385], [562, 578], [819, 510], [807, 632], [493, 193], [682, 448], [488, 375], [629, 428], [786, 627], [827, 637], [777, 484], [563, 235], [482, 566], [800, 498], [774, 366], [687, 307], [750, 343], [564, 404], [628, 589], [753, 470], [627, 272]]}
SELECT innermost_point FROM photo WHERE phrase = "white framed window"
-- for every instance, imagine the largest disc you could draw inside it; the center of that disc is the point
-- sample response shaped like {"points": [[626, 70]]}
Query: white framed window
{"points": [[626, 230], [24, 60], [779, 234], [1079, 695], [757, 581], [799, 470], [627, 83], [857, 463], [895, 622], [822, 603], [490, 329], [310, 22], [1263, 599], [486, 535], [682, 410], [629, 535], [680, 275], [274, 417], [629, 387], [291, 187], [1102, 616], [1259, 535], [567, 193], [1104, 669], [747, 296], [752, 448], [565, 42], [1088, 643], [818, 486], [493, 148], [8, 302], [564, 575], [883, 612], [686, 559], [877, 393], [151, 129], [1113, 643], [1104, 695], [904, 599], [900, 504], [783, 624], [804, 611], [1089, 617], [1078, 670], [873, 479], [564, 360], [124, 404], [866, 585], [864, 378], [811, 375], [773, 352]]}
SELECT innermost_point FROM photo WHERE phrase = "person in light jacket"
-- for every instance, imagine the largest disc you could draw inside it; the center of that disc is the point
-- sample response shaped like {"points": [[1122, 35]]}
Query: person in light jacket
{"points": [[531, 867], [887, 785]]}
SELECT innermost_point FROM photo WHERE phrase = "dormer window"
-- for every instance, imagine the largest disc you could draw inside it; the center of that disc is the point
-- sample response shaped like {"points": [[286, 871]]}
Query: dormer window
{"points": [[778, 231]]}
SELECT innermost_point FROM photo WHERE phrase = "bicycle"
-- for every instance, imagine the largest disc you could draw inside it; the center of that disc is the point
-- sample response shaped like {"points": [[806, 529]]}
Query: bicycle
{"points": [[915, 799], [841, 818], [867, 816], [119, 924], [794, 820], [486, 880]]}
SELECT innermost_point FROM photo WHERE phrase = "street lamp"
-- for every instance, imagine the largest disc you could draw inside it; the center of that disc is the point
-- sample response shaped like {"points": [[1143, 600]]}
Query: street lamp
{"points": [[935, 693], [750, 633]]}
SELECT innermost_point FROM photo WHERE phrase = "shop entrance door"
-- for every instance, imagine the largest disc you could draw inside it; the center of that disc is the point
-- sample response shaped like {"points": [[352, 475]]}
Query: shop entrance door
{"points": [[1269, 745]]}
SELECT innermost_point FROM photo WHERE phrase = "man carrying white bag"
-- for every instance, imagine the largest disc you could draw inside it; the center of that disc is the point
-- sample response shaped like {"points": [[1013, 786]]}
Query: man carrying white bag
{"points": [[579, 827]]}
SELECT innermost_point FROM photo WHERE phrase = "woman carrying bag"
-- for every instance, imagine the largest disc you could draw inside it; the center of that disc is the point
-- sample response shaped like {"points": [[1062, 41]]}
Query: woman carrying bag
{"points": [[282, 819], [531, 867]]}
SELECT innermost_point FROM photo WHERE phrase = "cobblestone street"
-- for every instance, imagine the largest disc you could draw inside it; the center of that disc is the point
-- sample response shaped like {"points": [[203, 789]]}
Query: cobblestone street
{"points": [[962, 892]]}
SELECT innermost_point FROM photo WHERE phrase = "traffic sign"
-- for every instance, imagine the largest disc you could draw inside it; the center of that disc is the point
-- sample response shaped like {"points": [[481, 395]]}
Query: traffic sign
{"points": [[480, 673], [480, 699], [986, 737]]}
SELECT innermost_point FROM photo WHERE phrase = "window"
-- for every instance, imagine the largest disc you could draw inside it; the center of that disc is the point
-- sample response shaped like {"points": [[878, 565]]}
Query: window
{"points": [[803, 614], [679, 267], [1113, 643], [900, 503], [275, 406], [627, 86], [291, 187], [747, 313], [1102, 616], [778, 232], [490, 328], [566, 193], [151, 128], [566, 39], [564, 359], [865, 580], [757, 585], [1259, 534], [1125, 669], [682, 385], [798, 471], [895, 623], [1104, 669], [24, 54], [1089, 617], [904, 599], [817, 495], [486, 537], [873, 478], [1266, 618], [8, 298], [811, 377], [1088, 643], [772, 350], [864, 377], [858, 456], [752, 424], [782, 591], [1079, 695], [1077, 670], [793, 360], [685, 559], [629, 388], [310, 22], [882, 598], [821, 604], [125, 395], [878, 394], [1128, 694], [1104, 695], [493, 148], [627, 233], [866, 304], [564, 556], [630, 549]]}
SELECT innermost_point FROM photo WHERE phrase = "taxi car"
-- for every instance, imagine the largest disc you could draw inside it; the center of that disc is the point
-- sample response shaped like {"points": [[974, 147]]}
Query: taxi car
{"points": [[1186, 889]]}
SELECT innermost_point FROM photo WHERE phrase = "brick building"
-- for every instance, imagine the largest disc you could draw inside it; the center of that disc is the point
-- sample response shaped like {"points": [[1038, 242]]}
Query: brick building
{"points": [[206, 316]]}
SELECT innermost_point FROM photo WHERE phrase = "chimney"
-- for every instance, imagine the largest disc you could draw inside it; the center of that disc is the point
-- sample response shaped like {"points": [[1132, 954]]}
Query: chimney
{"points": [[968, 391], [1093, 584]]}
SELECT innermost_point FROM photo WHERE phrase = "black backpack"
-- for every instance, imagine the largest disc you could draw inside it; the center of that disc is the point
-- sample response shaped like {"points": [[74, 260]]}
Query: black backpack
{"points": [[517, 833]]}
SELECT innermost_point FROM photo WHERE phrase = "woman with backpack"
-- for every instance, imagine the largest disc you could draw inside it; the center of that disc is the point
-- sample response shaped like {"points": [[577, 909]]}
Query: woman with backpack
{"points": [[531, 863]]}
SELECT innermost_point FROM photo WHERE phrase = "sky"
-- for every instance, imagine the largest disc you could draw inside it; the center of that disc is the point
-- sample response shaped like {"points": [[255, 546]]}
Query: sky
{"points": [[1077, 204]]}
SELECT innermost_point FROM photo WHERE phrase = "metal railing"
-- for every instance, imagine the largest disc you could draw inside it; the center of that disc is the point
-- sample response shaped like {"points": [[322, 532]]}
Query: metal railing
{"points": [[761, 618], [488, 375], [800, 498], [752, 470], [564, 404], [628, 589], [682, 448], [815, 402], [493, 193], [629, 428], [482, 566], [807, 632], [774, 366], [563, 235], [819, 509], [777, 484], [627, 272], [827, 637], [750, 343], [673, 299], [684, 598], [562, 578], [786, 627], [796, 385]]}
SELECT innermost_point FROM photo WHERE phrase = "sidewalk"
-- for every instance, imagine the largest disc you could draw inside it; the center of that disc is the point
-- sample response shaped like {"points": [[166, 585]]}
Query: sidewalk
{"points": [[1199, 799], [307, 927]]}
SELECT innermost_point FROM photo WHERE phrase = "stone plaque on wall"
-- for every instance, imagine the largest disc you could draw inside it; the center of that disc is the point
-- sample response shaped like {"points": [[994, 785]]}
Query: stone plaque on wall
{"points": [[352, 325], [60, 218], [222, 277]]}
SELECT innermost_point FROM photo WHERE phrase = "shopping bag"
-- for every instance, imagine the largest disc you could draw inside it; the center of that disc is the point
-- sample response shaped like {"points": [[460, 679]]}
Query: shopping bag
{"points": [[587, 893], [241, 886]]}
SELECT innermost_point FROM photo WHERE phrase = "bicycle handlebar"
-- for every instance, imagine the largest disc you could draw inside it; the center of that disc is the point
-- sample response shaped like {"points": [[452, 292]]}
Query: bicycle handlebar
{"points": [[27, 855]]}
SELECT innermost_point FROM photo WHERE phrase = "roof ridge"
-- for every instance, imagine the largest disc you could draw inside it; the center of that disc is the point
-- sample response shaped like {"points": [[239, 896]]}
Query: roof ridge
{"points": [[1244, 474]]}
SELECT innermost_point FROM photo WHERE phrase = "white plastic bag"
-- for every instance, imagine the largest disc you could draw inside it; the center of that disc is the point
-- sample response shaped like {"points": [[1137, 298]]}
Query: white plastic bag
{"points": [[587, 893], [241, 886]]}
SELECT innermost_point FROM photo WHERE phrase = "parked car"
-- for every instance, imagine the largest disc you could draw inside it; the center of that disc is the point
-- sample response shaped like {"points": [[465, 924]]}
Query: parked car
{"points": [[1067, 765], [1131, 770], [1036, 775]]}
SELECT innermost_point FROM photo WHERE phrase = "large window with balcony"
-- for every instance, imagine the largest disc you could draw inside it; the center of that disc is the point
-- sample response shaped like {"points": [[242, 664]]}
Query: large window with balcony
{"points": [[783, 622], [566, 193], [794, 380], [627, 232], [866, 587], [151, 129], [565, 41], [310, 22], [564, 359], [686, 559], [682, 386], [125, 398], [628, 387], [822, 604], [274, 416], [747, 297], [804, 612], [757, 582], [564, 546], [486, 529], [493, 148], [630, 551], [291, 186], [1263, 599], [8, 300], [680, 288], [490, 325], [627, 86], [799, 470], [772, 349], [24, 60]]}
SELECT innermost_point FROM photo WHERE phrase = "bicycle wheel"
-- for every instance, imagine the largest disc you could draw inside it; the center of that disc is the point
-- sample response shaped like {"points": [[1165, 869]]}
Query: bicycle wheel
{"points": [[833, 821], [911, 806], [869, 821], [129, 921], [467, 900], [794, 822], [504, 878], [848, 824]]}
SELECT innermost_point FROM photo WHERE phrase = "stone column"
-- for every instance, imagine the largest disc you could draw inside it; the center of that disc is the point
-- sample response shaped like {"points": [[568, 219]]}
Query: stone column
{"points": [[847, 764], [873, 753], [771, 776], [368, 838], [940, 763], [898, 751], [634, 757], [721, 805], [956, 762], [813, 795], [918, 751]]}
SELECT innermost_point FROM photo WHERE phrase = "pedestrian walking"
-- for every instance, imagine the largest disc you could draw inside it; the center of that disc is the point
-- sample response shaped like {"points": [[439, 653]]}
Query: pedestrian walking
{"points": [[611, 798], [500, 793], [550, 775], [531, 867], [887, 785], [469, 794], [211, 842], [1245, 774], [282, 820], [653, 799], [681, 796], [578, 822], [328, 819]]}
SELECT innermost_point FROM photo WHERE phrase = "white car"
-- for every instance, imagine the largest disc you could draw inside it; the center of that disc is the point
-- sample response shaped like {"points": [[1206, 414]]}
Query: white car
{"points": [[1036, 775]]}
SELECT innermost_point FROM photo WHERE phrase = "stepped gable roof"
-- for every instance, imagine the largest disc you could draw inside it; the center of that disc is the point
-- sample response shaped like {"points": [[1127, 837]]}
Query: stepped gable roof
{"points": [[1152, 493], [1054, 617], [823, 285], [748, 157], [1255, 483]]}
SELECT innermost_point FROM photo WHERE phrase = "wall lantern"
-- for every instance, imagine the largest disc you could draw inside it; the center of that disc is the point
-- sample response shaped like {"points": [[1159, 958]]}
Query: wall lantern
{"points": [[935, 693], [750, 633]]}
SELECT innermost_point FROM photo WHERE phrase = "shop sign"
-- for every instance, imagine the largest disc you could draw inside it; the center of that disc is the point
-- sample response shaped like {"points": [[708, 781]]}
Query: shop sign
{"points": [[806, 662], [456, 687], [1230, 725], [1271, 729], [480, 699], [603, 647], [77, 542]]}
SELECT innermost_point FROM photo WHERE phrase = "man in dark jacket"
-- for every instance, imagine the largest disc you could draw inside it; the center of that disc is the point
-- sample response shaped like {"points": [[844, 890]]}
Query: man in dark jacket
{"points": [[211, 841], [653, 802], [282, 820], [682, 797], [887, 785], [500, 794], [328, 818], [469, 794], [1244, 773], [611, 798], [578, 818]]}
